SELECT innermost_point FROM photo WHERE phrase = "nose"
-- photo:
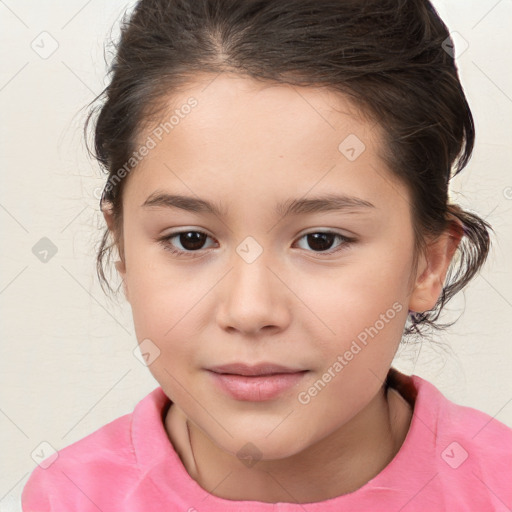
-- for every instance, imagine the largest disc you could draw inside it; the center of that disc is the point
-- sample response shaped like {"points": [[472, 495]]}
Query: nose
{"points": [[254, 299]]}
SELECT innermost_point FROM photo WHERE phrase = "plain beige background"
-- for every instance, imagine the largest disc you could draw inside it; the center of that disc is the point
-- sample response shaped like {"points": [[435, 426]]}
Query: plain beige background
{"points": [[67, 364]]}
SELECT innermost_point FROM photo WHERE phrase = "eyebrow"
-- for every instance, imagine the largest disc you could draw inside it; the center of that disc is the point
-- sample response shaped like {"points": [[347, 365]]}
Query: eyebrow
{"points": [[323, 203]]}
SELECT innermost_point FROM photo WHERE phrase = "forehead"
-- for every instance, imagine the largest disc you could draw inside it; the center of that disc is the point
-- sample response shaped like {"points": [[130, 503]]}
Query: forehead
{"points": [[261, 108], [242, 135]]}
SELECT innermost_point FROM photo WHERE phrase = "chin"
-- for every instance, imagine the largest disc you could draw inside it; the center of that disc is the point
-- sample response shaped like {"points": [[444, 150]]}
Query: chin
{"points": [[256, 444]]}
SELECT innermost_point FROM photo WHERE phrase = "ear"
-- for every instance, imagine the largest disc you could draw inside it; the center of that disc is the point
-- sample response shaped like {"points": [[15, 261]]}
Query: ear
{"points": [[433, 267], [106, 209], [120, 265]]}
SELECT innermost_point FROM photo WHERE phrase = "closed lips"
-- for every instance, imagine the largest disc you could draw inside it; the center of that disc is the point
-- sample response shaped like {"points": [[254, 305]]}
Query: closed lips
{"points": [[259, 370]]}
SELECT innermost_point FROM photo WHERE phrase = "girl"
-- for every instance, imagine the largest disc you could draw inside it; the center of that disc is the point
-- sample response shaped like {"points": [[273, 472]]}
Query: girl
{"points": [[278, 198]]}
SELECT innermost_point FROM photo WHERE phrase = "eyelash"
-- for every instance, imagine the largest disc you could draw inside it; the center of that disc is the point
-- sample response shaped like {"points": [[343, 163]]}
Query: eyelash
{"points": [[165, 242]]}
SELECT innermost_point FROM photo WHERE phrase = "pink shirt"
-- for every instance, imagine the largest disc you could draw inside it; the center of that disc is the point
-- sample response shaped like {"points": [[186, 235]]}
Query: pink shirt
{"points": [[454, 458]]}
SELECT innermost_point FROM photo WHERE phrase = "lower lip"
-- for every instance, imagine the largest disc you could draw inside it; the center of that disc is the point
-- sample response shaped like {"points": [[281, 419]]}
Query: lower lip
{"points": [[256, 389]]}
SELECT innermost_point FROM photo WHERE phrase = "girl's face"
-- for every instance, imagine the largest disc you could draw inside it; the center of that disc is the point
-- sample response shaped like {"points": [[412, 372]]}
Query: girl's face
{"points": [[263, 171]]}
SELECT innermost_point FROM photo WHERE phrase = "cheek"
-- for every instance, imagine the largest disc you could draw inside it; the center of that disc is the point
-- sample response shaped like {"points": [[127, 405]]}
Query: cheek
{"points": [[160, 293], [161, 316], [166, 315], [161, 310], [168, 307], [350, 298]]}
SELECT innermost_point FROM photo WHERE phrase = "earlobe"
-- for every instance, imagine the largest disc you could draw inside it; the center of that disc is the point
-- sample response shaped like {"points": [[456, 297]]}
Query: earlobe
{"points": [[108, 215], [106, 208], [433, 269], [121, 268]]}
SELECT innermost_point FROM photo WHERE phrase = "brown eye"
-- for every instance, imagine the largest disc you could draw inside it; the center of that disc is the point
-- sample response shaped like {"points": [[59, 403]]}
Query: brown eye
{"points": [[322, 241], [184, 242], [191, 240]]}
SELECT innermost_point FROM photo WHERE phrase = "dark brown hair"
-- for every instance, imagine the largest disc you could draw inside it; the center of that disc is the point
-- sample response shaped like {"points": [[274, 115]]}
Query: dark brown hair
{"points": [[387, 56]]}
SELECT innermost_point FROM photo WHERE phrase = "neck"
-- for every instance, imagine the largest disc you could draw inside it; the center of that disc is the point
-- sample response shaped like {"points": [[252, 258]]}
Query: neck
{"points": [[338, 464]]}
